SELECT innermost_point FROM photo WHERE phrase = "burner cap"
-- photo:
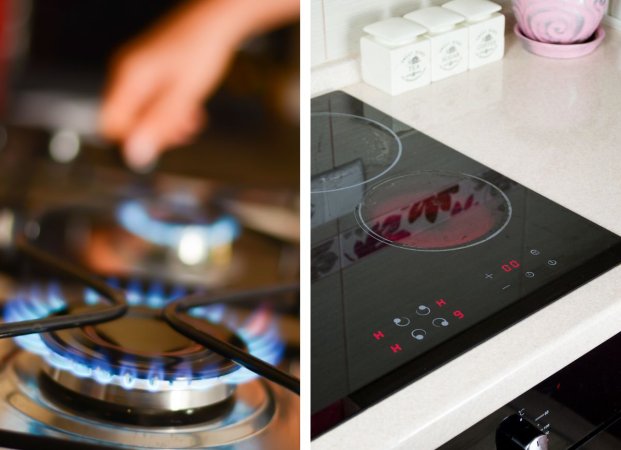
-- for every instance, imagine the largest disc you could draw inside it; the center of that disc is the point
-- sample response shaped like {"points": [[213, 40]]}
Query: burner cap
{"points": [[138, 360], [434, 211], [349, 151]]}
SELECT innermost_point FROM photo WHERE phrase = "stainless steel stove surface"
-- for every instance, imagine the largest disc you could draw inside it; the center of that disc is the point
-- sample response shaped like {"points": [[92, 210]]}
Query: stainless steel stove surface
{"points": [[146, 312]]}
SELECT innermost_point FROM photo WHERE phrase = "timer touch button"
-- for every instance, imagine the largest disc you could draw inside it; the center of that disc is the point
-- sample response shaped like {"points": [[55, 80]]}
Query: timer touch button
{"points": [[529, 274], [535, 252], [552, 262]]}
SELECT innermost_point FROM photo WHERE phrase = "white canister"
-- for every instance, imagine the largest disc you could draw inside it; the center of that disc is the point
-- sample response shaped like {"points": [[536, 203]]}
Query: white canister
{"points": [[486, 30], [394, 56], [449, 41]]}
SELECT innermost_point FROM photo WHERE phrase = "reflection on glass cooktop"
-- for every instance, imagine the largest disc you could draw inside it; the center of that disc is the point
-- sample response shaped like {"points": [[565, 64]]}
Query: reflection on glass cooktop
{"points": [[420, 253]]}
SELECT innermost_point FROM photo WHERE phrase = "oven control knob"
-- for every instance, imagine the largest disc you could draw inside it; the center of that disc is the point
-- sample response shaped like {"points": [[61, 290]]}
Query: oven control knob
{"points": [[517, 433]]}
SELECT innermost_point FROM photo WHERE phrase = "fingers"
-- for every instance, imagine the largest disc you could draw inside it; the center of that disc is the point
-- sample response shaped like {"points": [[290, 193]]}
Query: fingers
{"points": [[171, 119], [146, 111], [159, 81], [132, 83]]}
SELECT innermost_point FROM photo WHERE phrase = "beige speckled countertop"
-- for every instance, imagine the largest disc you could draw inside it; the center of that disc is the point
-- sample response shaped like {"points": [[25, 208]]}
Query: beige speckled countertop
{"points": [[554, 126]]}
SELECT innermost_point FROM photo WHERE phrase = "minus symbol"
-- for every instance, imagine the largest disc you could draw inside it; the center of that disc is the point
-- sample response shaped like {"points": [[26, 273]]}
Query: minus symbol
{"points": [[545, 413], [507, 286]]}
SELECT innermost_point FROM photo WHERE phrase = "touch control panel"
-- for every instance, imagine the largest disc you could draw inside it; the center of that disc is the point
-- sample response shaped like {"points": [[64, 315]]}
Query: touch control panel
{"points": [[509, 272], [421, 321]]}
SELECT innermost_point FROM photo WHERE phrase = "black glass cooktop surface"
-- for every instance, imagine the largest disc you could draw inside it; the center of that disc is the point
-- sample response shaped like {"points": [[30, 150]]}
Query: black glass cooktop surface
{"points": [[420, 253]]}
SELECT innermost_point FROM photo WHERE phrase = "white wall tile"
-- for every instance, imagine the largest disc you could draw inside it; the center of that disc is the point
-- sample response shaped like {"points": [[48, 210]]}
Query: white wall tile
{"points": [[318, 35], [615, 9]]}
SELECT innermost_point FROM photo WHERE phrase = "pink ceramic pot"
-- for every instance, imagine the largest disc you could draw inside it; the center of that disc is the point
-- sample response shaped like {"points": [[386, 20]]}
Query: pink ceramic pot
{"points": [[559, 21]]}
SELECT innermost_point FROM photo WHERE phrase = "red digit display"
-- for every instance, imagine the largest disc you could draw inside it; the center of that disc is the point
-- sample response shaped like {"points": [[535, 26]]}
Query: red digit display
{"points": [[458, 314], [513, 264]]}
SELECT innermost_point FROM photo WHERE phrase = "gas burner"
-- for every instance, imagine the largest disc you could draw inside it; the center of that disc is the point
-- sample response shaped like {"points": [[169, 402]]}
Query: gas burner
{"points": [[434, 211], [349, 151], [38, 398], [181, 227], [138, 361]]}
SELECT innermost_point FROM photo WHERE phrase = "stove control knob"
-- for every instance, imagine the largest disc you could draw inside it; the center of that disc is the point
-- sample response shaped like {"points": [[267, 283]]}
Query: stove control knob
{"points": [[517, 433]]}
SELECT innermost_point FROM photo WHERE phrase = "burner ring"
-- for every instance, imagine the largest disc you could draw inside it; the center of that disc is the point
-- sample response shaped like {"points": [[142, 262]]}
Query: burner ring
{"points": [[168, 400], [349, 151], [434, 211], [252, 412]]}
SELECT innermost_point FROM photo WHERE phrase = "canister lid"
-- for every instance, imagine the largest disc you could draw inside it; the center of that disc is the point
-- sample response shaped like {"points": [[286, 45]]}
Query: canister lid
{"points": [[436, 19], [473, 10], [395, 31]]}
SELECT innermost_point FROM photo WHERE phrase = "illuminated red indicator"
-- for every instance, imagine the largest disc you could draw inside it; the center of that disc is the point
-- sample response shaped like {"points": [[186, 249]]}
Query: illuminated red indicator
{"points": [[378, 335], [458, 314], [513, 264], [395, 348], [440, 302]]}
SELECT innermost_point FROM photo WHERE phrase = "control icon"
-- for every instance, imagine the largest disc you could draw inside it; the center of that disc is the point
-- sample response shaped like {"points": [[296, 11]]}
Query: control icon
{"points": [[489, 276], [401, 321], [551, 262], [423, 310], [529, 274], [419, 334], [535, 252], [439, 322]]}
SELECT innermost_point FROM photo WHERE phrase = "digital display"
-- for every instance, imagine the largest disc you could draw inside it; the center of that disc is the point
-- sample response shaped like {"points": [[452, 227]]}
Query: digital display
{"points": [[510, 265]]}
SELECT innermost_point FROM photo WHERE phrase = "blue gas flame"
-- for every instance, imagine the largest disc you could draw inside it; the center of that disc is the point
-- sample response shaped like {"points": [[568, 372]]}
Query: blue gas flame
{"points": [[135, 218], [259, 332]]}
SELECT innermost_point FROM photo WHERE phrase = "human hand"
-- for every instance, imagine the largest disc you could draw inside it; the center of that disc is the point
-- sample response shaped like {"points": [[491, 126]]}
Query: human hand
{"points": [[158, 82]]}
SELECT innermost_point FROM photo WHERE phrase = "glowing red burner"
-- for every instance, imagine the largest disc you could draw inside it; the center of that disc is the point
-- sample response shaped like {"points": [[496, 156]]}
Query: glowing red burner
{"points": [[434, 211]]}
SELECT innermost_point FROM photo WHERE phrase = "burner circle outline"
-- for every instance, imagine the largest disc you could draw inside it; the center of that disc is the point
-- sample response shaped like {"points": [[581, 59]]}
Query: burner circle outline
{"points": [[374, 122]]}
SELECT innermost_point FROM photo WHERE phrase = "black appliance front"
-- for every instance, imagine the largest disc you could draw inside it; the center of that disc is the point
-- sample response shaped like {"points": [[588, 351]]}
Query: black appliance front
{"points": [[420, 253], [579, 407]]}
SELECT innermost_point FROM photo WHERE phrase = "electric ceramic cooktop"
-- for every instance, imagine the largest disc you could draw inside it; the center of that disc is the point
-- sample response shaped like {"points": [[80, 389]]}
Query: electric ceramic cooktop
{"points": [[420, 253]]}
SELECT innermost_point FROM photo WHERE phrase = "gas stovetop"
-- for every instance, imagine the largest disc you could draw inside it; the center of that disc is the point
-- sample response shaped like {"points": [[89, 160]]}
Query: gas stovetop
{"points": [[420, 253], [145, 312]]}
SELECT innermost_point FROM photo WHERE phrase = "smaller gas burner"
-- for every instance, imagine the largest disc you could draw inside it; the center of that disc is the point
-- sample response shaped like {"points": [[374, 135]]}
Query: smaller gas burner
{"points": [[184, 228], [434, 211]]}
